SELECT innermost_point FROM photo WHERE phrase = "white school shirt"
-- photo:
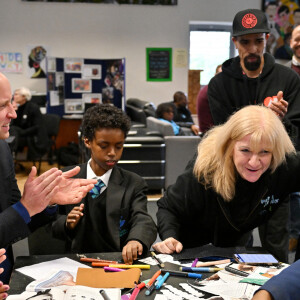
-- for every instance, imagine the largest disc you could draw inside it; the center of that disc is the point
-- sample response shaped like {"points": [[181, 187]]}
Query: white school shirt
{"points": [[91, 175]]}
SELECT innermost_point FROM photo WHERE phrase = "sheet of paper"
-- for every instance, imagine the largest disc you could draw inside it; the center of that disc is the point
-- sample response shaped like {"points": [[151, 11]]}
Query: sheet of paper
{"points": [[163, 257], [38, 271], [234, 289]]}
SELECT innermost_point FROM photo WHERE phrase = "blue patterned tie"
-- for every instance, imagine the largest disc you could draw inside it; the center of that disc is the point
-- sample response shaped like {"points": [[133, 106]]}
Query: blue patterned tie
{"points": [[95, 191]]}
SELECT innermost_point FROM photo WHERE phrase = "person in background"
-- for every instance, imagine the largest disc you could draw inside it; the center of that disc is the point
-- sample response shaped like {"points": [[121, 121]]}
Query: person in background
{"points": [[20, 215], [295, 197], [165, 113], [205, 120], [182, 115], [285, 285], [116, 211], [28, 127], [253, 77], [244, 170]]}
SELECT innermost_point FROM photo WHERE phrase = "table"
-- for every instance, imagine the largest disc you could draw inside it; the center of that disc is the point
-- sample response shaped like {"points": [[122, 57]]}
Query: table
{"points": [[19, 281]]}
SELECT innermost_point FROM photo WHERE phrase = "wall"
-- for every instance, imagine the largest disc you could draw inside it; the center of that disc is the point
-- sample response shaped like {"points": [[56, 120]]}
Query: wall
{"points": [[109, 31]]}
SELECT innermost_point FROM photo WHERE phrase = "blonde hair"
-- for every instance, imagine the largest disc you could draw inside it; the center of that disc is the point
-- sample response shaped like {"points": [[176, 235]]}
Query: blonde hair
{"points": [[214, 166]]}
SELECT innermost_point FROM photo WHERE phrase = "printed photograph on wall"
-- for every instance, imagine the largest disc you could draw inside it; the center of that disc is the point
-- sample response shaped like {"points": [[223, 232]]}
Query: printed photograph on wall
{"points": [[107, 94], [74, 106], [91, 71], [51, 81], [283, 17], [81, 85], [91, 98], [37, 61], [73, 65]]}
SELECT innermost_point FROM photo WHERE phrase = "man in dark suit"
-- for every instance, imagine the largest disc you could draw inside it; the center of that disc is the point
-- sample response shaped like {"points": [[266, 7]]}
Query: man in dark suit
{"points": [[19, 215], [115, 217]]}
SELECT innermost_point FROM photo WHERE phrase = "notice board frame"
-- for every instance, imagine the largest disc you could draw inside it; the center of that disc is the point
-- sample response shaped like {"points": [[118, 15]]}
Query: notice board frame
{"points": [[152, 55]]}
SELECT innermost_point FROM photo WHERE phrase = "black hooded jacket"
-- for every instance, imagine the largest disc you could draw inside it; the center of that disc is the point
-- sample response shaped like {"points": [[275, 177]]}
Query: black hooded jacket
{"points": [[231, 90]]}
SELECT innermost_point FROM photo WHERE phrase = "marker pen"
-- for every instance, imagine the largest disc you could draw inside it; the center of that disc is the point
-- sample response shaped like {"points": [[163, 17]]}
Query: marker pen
{"points": [[161, 282], [113, 269], [182, 274], [194, 263], [152, 287], [123, 266], [201, 269]]}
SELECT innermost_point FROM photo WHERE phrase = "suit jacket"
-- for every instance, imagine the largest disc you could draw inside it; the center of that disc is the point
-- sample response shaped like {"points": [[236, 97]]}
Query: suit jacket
{"points": [[125, 197], [12, 225]]}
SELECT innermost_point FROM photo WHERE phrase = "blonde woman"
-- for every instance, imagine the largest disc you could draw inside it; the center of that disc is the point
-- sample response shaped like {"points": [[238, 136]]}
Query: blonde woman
{"points": [[244, 170]]}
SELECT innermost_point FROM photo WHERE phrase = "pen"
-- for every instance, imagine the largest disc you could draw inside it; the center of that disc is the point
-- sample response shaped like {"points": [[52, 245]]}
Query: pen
{"points": [[137, 290], [123, 266], [161, 264], [183, 274], [201, 269], [194, 263], [104, 295], [237, 272], [113, 269], [153, 278], [152, 287], [161, 282], [88, 259], [212, 263], [100, 264]]}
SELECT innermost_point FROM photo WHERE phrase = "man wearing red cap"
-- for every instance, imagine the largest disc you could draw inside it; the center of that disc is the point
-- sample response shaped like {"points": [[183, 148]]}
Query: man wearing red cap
{"points": [[253, 77]]}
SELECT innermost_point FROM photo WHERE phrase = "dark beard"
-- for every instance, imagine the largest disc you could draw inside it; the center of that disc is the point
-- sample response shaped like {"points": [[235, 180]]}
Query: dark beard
{"points": [[252, 66]]}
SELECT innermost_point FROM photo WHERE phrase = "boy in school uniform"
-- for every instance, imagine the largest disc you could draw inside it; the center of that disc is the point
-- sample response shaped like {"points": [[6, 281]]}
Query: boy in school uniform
{"points": [[113, 216]]}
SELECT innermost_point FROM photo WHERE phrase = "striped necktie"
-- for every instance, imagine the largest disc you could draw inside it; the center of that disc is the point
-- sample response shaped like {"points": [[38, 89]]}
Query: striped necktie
{"points": [[95, 191]]}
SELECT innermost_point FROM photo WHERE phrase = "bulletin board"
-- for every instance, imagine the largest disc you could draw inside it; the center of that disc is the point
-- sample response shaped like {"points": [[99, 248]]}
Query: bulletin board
{"points": [[75, 83], [159, 64]]}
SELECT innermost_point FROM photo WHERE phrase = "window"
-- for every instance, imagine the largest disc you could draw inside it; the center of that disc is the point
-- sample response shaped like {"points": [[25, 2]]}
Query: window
{"points": [[210, 45]]}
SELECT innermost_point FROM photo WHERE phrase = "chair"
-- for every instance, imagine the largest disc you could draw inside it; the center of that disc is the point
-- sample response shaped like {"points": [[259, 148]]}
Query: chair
{"points": [[179, 151], [138, 110], [164, 128], [51, 123]]}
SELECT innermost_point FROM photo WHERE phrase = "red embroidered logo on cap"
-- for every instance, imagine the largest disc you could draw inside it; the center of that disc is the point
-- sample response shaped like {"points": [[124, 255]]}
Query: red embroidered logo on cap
{"points": [[249, 21]]}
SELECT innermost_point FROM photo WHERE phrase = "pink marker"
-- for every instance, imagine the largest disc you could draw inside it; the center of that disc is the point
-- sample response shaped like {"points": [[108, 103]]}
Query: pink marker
{"points": [[194, 263], [113, 269]]}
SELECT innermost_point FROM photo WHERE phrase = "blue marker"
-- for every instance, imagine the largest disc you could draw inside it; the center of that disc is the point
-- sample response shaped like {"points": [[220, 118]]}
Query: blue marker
{"points": [[152, 287], [161, 282], [200, 269], [182, 274]]}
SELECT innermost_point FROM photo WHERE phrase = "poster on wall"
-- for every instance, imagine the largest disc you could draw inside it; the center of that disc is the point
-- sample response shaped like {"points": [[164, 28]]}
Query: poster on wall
{"points": [[159, 64], [147, 2], [283, 17], [36, 61], [84, 82], [11, 62]]}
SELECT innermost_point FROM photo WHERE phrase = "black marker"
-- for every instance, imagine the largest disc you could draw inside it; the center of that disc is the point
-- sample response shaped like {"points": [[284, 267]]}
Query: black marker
{"points": [[182, 274], [236, 271], [104, 295]]}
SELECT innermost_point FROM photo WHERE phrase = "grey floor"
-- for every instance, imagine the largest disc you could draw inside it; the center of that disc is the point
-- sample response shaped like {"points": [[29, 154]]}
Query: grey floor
{"points": [[21, 248]]}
